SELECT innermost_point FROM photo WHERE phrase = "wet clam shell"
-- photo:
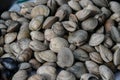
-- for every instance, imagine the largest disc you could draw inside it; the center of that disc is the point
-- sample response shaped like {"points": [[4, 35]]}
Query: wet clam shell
{"points": [[85, 3], [74, 5], [34, 63], [10, 37], [78, 69], [101, 3], [48, 72], [65, 75], [96, 39], [105, 53], [89, 24], [116, 58], [36, 23], [65, 57], [36, 45], [61, 14], [40, 10], [36, 77], [78, 37], [106, 73], [61, 2], [115, 6], [57, 43]]}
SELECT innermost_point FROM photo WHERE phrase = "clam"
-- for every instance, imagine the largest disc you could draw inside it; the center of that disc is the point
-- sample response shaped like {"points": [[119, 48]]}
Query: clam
{"points": [[78, 37], [101, 3], [36, 76], [70, 25], [36, 23], [34, 63], [48, 72], [57, 43], [41, 10], [37, 35], [49, 22], [37, 45], [41, 1], [78, 69], [61, 2], [115, 6], [81, 55], [74, 5], [61, 14], [24, 66], [89, 24], [116, 57], [65, 75], [106, 73], [5, 15], [10, 37], [65, 57], [85, 3], [96, 39], [73, 17]]}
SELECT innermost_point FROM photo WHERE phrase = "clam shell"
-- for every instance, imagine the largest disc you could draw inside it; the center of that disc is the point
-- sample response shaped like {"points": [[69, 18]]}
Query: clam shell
{"points": [[96, 39], [83, 14], [49, 22], [37, 35], [61, 2], [14, 16], [48, 56], [24, 66], [10, 37], [61, 14], [49, 34], [95, 56], [65, 58], [50, 64], [101, 3], [81, 55], [36, 45], [89, 24], [36, 23], [115, 6], [74, 5], [57, 43], [65, 75], [38, 58], [89, 76], [36, 76], [34, 63], [105, 53], [73, 17], [58, 28], [78, 37], [41, 1], [70, 25], [78, 69], [106, 73], [85, 3], [48, 72], [5, 15], [41, 10], [116, 58], [92, 67]]}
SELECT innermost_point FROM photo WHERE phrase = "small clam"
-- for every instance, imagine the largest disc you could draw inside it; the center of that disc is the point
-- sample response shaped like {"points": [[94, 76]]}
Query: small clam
{"points": [[37, 35], [105, 53], [50, 64], [78, 69], [101, 3], [116, 16], [65, 58], [48, 56], [92, 67], [61, 14], [70, 25], [74, 5], [106, 11], [57, 43], [20, 75], [36, 45], [36, 23], [115, 6], [61, 2], [108, 42], [14, 16], [83, 14], [5, 15], [41, 10], [85, 3], [34, 63], [96, 39], [24, 66], [38, 58], [88, 76], [24, 31], [10, 37], [106, 73], [72, 47], [81, 55], [95, 56], [41, 1], [65, 75], [25, 55], [116, 58], [49, 22], [24, 43], [48, 72], [1, 51], [78, 37], [36, 76], [73, 17], [58, 28], [89, 24]]}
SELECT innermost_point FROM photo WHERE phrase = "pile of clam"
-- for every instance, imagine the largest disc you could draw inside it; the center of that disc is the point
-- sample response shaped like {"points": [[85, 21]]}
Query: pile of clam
{"points": [[61, 40]]}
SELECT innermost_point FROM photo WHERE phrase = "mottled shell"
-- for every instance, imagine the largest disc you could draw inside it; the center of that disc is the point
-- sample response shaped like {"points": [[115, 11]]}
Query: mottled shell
{"points": [[65, 75], [57, 43], [115, 6], [65, 58], [36, 77]]}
